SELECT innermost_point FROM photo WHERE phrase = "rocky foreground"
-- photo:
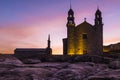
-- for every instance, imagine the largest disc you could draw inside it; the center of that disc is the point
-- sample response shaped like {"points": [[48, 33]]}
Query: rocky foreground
{"points": [[13, 69]]}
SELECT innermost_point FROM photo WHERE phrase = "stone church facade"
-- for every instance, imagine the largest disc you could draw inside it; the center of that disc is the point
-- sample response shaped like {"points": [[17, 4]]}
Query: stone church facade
{"points": [[84, 38]]}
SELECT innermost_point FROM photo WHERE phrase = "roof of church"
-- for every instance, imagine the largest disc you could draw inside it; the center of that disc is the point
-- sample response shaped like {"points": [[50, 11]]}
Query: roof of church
{"points": [[85, 23], [30, 49]]}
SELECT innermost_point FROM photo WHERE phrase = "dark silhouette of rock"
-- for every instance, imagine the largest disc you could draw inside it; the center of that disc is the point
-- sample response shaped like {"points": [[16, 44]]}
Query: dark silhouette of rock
{"points": [[106, 75], [114, 64], [12, 68], [68, 74], [14, 75], [31, 61]]}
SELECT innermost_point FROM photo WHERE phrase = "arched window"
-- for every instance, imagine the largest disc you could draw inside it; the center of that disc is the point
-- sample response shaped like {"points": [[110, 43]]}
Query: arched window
{"points": [[98, 16], [70, 15], [70, 21]]}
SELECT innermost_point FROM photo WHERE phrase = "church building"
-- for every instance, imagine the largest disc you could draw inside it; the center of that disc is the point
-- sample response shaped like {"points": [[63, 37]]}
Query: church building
{"points": [[30, 52], [83, 38]]}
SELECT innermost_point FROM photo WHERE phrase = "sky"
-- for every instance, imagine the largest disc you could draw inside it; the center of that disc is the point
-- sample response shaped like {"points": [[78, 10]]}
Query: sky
{"points": [[27, 23]]}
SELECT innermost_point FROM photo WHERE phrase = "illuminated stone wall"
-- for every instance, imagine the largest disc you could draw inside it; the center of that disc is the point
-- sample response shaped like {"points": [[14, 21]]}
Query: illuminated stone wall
{"points": [[70, 41], [83, 38]]}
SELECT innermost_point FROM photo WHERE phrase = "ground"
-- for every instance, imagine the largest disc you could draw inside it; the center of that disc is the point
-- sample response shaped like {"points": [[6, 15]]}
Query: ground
{"points": [[13, 69]]}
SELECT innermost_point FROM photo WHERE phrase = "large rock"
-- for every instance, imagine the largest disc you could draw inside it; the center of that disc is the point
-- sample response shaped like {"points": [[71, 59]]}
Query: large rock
{"points": [[76, 71], [57, 71], [12, 61], [9, 60], [31, 61], [115, 64], [68, 74], [25, 73], [106, 75], [14, 75]]}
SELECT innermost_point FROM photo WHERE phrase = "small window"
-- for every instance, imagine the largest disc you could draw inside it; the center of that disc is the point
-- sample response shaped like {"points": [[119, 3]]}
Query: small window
{"points": [[98, 16], [84, 36], [70, 22], [70, 15]]}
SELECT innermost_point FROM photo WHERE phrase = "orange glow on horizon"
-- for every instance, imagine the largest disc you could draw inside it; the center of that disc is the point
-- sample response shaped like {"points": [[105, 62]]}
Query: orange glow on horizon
{"points": [[55, 50]]}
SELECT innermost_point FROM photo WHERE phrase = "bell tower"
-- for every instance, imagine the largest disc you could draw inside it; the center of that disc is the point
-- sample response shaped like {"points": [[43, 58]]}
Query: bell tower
{"points": [[70, 32], [99, 31], [98, 17]]}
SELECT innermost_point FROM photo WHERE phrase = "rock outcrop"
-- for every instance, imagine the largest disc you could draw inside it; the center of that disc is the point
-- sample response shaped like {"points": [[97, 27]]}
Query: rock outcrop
{"points": [[13, 69], [114, 64]]}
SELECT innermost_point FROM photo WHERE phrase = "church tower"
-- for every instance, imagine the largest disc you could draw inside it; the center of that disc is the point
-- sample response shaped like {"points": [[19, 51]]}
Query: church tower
{"points": [[48, 50], [48, 41], [70, 32], [99, 31], [98, 17]]}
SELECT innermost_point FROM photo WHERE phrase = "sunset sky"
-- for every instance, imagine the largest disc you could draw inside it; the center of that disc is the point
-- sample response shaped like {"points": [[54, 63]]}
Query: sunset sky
{"points": [[27, 23]]}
